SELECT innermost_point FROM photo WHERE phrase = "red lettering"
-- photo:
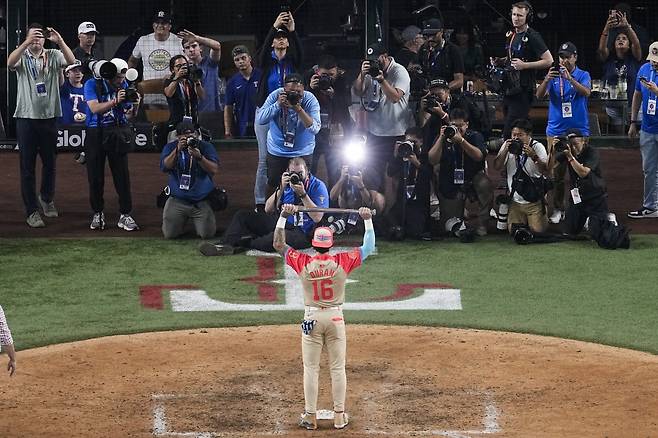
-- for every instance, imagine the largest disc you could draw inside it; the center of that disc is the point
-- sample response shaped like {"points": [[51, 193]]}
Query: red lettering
{"points": [[326, 291]]}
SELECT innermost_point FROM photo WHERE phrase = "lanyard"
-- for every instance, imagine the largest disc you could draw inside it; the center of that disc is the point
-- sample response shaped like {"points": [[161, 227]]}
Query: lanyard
{"points": [[182, 159], [33, 65], [186, 93], [435, 55], [511, 40]]}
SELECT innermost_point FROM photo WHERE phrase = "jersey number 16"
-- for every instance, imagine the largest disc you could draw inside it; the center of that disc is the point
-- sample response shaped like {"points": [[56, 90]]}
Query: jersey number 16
{"points": [[325, 291]]}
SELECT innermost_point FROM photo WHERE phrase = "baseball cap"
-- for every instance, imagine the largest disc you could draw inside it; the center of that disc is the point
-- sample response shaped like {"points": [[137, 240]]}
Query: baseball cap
{"points": [[432, 26], [574, 132], [439, 83], [184, 128], [293, 78], [87, 27], [281, 32], [568, 48], [409, 33], [375, 50], [239, 50], [653, 52], [76, 64], [323, 237], [162, 16]]}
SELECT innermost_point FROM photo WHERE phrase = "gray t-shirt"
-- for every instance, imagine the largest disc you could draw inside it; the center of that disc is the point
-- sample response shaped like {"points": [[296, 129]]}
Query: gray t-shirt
{"points": [[30, 71]]}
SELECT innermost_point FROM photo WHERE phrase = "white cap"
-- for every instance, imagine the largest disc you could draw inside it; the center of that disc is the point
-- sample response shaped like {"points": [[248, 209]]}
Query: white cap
{"points": [[87, 27], [653, 52], [76, 64]]}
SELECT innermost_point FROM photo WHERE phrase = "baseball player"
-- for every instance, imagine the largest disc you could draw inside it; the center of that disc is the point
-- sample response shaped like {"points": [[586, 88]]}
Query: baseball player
{"points": [[323, 279], [7, 343]]}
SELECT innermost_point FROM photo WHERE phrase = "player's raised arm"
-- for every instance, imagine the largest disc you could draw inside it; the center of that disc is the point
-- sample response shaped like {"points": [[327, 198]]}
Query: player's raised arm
{"points": [[369, 235], [279, 241]]}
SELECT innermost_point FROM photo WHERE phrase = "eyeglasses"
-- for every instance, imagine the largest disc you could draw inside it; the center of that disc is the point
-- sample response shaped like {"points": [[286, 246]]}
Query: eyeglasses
{"points": [[180, 65]]}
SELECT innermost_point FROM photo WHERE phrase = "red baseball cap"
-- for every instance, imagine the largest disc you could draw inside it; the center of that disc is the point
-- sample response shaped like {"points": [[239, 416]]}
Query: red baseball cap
{"points": [[323, 237]]}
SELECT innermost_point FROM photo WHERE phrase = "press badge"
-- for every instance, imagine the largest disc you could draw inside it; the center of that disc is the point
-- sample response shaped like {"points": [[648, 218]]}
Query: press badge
{"points": [[566, 110], [324, 120], [411, 192], [575, 195], [289, 139], [185, 180], [41, 89], [459, 176], [651, 106], [187, 119]]}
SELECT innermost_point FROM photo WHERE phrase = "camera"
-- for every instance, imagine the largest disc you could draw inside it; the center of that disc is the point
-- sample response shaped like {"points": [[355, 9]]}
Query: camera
{"points": [[374, 68], [295, 178], [431, 102], [450, 131], [353, 171], [194, 73], [192, 142], [131, 94], [293, 97], [405, 149], [325, 82], [515, 146], [561, 145]]}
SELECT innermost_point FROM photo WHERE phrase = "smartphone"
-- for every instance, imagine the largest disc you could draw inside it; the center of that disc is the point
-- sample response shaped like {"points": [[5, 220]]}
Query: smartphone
{"points": [[285, 7], [643, 79]]}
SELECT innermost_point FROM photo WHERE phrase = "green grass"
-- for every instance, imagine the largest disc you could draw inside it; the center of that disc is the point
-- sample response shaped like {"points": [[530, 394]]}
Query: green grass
{"points": [[57, 290]]}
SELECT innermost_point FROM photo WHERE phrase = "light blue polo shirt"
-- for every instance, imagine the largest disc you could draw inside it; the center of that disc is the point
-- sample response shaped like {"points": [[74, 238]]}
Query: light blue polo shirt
{"points": [[558, 125], [649, 122]]}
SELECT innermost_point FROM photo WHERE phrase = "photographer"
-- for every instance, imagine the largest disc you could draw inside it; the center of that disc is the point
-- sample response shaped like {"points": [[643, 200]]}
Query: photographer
{"points": [[191, 164], [435, 109], [526, 162], [568, 89], [461, 154], [412, 41], [327, 83], [441, 58], [412, 175], [588, 195], [355, 187], [110, 137], [526, 53], [183, 90], [251, 230], [293, 116]]}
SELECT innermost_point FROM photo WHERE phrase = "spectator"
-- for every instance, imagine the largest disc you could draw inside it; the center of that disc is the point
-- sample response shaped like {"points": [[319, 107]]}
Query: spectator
{"points": [[191, 164], [412, 40], [384, 93], [210, 106], [37, 107], [155, 50], [526, 53], [470, 49], [525, 166], [183, 91], [328, 84], [441, 58], [568, 89], [620, 20], [87, 50], [645, 95], [109, 137], [293, 116], [253, 230], [241, 92], [72, 96], [7, 343], [461, 154], [284, 58]]}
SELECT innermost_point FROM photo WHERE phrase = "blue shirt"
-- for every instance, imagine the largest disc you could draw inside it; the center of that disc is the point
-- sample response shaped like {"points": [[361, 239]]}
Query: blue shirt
{"points": [[317, 191], [241, 93], [113, 117], [279, 71], [614, 65], [210, 82], [288, 121], [649, 123], [558, 125], [201, 183], [73, 101]]}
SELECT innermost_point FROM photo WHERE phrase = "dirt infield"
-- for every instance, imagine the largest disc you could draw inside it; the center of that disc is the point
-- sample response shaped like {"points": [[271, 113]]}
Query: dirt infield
{"points": [[402, 381], [622, 170]]}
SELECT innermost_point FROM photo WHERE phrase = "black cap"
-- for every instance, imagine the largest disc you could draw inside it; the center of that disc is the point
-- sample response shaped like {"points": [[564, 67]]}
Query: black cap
{"points": [[574, 132], [568, 48], [431, 26], [375, 50], [184, 128], [281, 32], [293, 78], [239, 50], [162, 16], [439, 82]]}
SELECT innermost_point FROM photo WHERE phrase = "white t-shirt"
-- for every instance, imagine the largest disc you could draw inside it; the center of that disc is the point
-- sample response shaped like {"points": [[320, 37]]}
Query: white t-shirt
{"points": [[529, 166], [155, 56], [388, 118]]}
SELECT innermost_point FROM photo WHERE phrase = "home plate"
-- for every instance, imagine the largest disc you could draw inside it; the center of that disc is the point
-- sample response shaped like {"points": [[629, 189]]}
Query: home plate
{"points": [[324, 414]]}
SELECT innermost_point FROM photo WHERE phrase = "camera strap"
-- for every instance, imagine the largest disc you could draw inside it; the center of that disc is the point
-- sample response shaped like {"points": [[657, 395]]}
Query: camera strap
{"points": [[33, 64], [186, 96]]}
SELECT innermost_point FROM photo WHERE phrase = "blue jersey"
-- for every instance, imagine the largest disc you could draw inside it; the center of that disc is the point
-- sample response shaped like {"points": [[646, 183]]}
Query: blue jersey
{"points": [[113, 117], [201, 183], [317, 191], [73, 102], [649, 122], [241, 93], [280, 69], [210, 82], [560, 91]]}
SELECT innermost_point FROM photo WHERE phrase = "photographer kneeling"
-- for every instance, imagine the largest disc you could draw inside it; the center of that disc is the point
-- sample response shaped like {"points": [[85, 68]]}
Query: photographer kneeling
{"points": [[526, 162], [461, 154], [191, 164]]}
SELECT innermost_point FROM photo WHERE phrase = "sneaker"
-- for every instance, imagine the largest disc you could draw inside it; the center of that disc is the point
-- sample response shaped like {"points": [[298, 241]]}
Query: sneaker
{"points": [[340, 420], [34, 220], [557, 216], [308, 421], [127, 223], [642, 213], [48, 208], [98, 221], [216, 249]]}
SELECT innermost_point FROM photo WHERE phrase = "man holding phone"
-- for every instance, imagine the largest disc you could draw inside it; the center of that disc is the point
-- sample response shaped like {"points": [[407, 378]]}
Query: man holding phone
{"points": [[646, 95]]}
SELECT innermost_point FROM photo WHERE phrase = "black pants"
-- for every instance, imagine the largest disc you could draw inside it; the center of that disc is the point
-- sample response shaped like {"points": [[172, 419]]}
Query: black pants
{"points": [[36, 137], [577, 214], [332, 158], [261, 227], [516, 107], [97, 153], [379, 153]]}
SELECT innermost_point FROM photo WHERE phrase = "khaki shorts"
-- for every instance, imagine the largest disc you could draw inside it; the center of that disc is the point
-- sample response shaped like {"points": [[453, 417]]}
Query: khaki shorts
{"points": [[532, 214]]}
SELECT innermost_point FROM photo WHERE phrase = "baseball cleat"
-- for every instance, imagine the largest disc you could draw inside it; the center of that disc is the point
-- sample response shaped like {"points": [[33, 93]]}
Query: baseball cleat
{"points": [[340, 420], [308, 421]]}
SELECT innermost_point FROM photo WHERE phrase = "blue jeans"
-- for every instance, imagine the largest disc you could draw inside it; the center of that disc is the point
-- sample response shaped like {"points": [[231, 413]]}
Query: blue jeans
{"points": [[260, 188], [649, 151]]}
